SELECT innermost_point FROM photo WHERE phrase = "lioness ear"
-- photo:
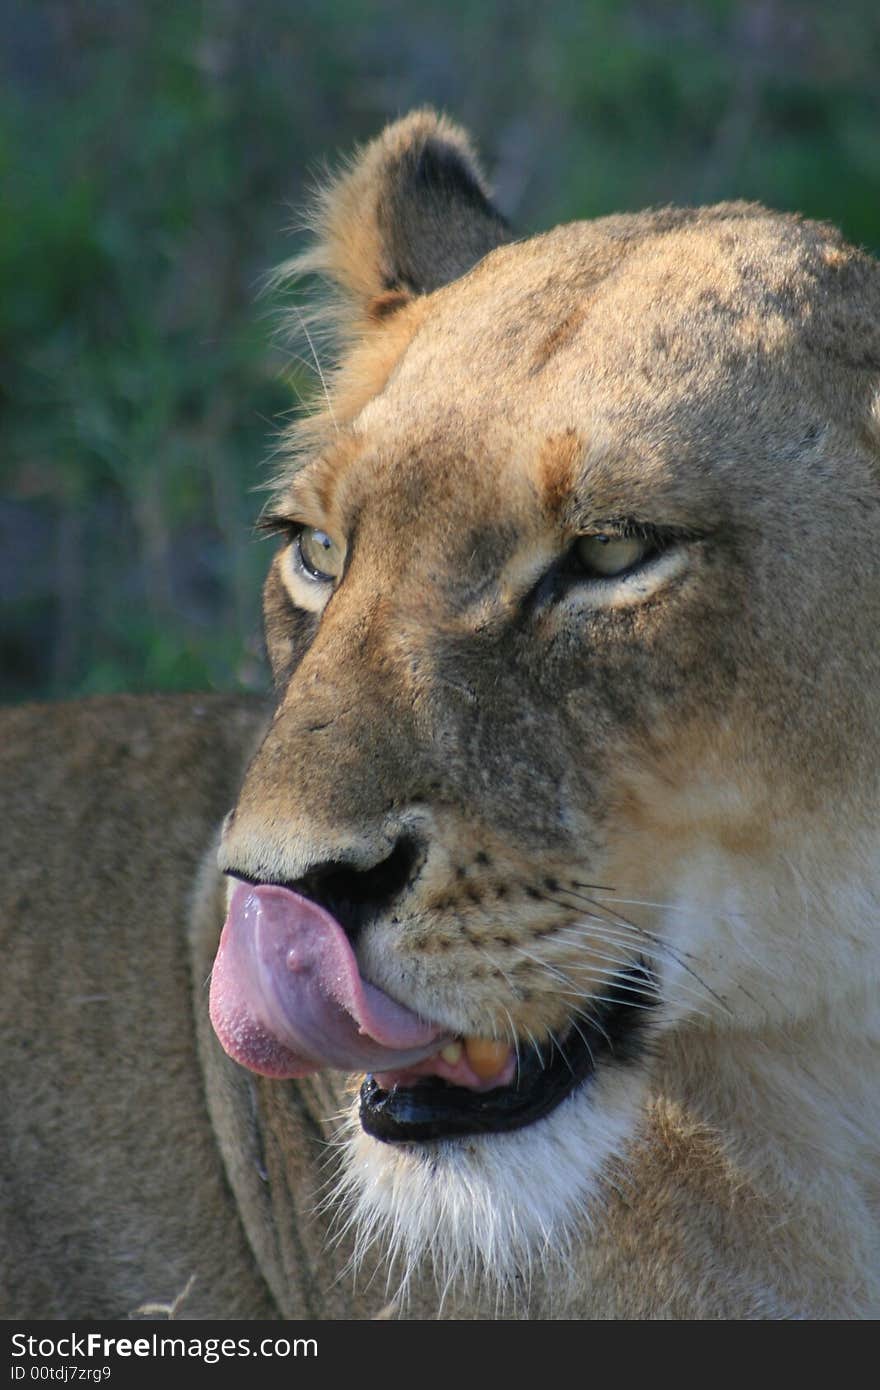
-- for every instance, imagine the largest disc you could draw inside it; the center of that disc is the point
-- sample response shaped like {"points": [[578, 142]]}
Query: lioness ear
{"points": [[409, 214]]}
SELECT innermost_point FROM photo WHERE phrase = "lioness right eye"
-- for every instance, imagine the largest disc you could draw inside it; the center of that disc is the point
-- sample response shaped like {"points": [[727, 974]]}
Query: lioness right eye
{"points": [[319, 555], [605, 556]]}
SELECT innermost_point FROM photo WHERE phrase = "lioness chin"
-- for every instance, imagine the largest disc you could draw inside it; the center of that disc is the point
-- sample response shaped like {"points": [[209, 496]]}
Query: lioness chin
{"points": [[560, 837]]}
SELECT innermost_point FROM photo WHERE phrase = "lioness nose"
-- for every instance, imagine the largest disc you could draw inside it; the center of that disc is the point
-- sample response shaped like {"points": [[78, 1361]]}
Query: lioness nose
{"points": [[355, 895]]}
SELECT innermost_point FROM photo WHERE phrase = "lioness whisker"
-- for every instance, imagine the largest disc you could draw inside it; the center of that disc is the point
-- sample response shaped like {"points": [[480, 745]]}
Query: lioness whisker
{"points": [[678, 909], [531, 1037], [555, 1043], [318, 368], [511, 986], [604, 917], [576, 1026], [599, 931], [605, 998], [696, 999], [572, 988], [542, 964], [513, 1038], [672, 907], [590, 938], [620, 919], [619, 979]]}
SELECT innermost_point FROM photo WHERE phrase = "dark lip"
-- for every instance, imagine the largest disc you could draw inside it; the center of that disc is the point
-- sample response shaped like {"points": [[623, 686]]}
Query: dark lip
{"points": [[432, 1109]]}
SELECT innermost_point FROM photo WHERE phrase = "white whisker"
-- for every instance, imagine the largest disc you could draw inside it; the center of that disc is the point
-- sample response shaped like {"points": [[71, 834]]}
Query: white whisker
{"points": [[318, 368]]}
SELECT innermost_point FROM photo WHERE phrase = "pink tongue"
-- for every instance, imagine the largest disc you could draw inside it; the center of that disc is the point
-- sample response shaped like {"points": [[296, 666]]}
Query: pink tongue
{"points": [[287, 997]]}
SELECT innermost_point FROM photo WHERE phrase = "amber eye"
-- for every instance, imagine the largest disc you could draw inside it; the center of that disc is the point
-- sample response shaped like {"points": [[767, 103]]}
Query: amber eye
{"points": [[604, 556], [321, 557]]}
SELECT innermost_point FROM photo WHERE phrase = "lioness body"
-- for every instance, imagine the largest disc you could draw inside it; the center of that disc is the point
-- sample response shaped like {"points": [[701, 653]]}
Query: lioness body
{"points": [[565, 811], [113, 1188]]}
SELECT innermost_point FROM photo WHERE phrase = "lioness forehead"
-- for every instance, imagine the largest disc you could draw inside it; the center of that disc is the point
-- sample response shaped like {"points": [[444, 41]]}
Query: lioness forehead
{"points": [[626, 326], [655, 361]]}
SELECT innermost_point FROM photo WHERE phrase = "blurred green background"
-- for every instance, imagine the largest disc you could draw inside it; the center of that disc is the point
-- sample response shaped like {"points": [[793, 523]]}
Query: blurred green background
{"points": [[153, 159]]}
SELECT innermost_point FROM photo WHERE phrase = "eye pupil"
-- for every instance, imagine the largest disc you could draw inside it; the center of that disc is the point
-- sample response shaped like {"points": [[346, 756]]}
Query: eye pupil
{"points": [[605, 556], [320, 555]]}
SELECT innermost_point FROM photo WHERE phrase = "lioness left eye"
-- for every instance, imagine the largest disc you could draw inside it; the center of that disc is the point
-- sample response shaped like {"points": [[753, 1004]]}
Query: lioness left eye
{"points": [[604, 556], [320, 556]]}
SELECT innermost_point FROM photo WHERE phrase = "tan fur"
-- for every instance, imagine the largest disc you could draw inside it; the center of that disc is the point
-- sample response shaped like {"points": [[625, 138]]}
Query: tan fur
{"points": [[681, 769]]}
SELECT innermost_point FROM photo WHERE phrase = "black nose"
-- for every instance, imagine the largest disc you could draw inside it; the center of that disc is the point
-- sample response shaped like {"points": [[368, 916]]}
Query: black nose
{"points": [[356, 896]]}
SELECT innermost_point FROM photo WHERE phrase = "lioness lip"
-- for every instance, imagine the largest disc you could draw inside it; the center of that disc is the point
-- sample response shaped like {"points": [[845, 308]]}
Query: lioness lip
{"points": [[430, 1108]]}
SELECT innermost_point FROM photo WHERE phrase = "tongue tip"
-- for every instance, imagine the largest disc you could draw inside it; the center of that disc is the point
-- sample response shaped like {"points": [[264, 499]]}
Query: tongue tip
{"points": [[288, 1000], [240, 1032], [242, 1039]]}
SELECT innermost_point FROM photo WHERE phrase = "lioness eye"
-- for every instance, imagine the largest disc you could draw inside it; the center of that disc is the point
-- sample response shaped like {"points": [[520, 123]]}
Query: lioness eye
{"points": [[321, 556], [604, 556]]}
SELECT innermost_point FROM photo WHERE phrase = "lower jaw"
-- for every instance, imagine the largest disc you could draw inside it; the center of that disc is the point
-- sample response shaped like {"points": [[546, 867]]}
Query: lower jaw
{"points": [[432, 1109]]}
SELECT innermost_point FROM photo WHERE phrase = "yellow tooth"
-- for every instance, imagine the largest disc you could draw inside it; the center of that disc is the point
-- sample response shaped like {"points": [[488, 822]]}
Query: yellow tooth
{"points": [[451, 1053], [486, 1055]]}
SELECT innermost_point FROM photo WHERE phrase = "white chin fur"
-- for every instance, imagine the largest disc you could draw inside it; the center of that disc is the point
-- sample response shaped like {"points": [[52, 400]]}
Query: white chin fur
{"points": [[495, 1206]]}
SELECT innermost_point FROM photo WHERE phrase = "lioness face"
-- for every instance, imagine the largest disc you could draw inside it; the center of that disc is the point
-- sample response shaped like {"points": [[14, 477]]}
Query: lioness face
{"points": [[561, 627]]}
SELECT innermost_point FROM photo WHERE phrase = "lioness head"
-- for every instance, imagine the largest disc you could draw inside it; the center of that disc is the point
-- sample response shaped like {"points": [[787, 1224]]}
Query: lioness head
{"points": [[573, 626]]}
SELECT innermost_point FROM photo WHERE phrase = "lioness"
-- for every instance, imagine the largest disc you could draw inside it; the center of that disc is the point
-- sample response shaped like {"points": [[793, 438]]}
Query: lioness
{"points": [[561, 831]]}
